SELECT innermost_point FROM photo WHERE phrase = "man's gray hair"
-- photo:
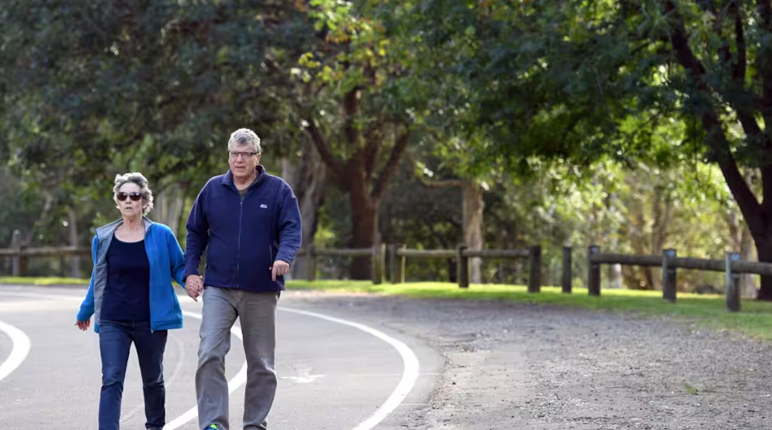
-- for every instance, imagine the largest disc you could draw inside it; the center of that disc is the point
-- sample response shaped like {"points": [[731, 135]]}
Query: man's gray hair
{"points": [[141, 181], [244, 136]]}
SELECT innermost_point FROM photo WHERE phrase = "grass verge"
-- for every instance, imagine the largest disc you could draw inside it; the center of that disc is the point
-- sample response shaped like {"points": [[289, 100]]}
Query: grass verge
{"points": [[42, 281], [755, 319]]}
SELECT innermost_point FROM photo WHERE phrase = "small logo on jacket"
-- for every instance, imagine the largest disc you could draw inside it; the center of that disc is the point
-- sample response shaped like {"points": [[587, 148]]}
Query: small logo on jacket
{"points": [[264, 206]]}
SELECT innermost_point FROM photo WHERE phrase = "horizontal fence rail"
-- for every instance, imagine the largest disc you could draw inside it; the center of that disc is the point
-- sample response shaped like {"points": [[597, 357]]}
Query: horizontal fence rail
{"points": [[398, 254], [46, 252], [669, 262], [427, 253], [751, 267], [350, 252]]}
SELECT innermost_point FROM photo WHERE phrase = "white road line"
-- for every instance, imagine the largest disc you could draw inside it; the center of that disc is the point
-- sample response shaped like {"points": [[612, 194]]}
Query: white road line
{"points": [[406, 383], [237, 381], [192, 413], [19, 350], [409, 360]]}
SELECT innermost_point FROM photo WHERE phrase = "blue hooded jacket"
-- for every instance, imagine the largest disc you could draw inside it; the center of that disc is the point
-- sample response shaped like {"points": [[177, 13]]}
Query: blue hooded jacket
{"points": [[166, 263], [243, 237]]}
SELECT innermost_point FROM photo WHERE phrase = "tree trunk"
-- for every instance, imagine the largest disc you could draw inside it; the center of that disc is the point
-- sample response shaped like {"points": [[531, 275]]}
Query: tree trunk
{"points": [[473, 206], [364, 217], [639, 247], [307, 177], [661, 212], [72, 219], [615, 276], [741, 240], [168, 206], [757, 216], [747, 280], [614, 270], [358, 173]]}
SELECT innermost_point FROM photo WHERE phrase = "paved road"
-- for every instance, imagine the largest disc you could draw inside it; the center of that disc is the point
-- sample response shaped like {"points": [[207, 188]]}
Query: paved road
{"points": [[334, 373]]}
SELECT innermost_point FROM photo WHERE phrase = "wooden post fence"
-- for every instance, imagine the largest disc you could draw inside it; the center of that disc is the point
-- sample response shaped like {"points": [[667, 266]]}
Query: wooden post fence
{"points": [[566, 281], [379, 263], [394, 276], [669, 291], [593, 271], [16, 247], [462, 268], [462, 254], [20, 255], [312, 263], [397, 264], [534, 275], [732, 283], [731, 265]]}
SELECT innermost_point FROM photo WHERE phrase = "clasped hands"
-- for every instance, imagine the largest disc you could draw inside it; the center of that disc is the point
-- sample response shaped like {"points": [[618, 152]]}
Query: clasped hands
{"points": [[194, 284]]}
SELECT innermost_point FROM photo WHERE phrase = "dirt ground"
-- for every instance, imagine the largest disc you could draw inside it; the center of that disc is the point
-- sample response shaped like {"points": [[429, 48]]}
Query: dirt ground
{"points": [[516, 366]]}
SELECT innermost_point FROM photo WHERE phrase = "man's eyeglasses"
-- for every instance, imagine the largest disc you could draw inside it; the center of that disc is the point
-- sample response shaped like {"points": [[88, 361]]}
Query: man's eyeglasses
{"points": [[133, 196], [244, 155]]}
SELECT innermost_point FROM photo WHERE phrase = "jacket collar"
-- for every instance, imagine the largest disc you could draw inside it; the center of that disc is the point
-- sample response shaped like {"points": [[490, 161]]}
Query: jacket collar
{"points": [[227, 179], [109, 229]]}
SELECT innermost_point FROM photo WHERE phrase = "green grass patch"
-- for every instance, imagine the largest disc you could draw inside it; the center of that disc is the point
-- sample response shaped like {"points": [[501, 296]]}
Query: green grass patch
{"points": [[707, 311], [691, 390], [42, 281]]}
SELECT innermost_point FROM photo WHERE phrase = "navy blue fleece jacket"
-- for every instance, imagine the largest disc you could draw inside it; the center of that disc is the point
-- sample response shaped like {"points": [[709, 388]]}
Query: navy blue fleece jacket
{"points": [[243, 237]]}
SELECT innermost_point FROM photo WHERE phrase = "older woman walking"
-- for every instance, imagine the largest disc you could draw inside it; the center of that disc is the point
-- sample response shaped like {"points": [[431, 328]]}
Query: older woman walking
{"points": [[132, 299]]}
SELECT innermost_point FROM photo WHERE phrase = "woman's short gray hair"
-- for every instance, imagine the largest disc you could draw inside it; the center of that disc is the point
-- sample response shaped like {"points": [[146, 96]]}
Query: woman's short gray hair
{"points": [[141, 181], [244, 136]]}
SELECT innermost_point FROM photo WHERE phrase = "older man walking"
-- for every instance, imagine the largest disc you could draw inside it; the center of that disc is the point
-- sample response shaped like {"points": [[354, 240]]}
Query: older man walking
{"points": [[249, 224]]}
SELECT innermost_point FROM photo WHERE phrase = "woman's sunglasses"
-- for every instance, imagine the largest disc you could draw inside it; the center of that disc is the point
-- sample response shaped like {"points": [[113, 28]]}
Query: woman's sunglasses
{"points": [[133, 196]]}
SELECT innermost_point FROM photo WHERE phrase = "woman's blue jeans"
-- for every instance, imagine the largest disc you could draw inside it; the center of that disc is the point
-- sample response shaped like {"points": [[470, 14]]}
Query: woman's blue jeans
{"points": [[115, 338]]}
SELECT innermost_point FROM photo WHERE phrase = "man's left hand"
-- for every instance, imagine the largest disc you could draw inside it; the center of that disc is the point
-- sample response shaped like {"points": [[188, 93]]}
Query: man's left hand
{"points": [[279, 268]]}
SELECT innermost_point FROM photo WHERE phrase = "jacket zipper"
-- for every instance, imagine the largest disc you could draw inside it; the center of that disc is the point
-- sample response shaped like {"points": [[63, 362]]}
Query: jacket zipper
{"points": [[238, 253], [147, 232]]}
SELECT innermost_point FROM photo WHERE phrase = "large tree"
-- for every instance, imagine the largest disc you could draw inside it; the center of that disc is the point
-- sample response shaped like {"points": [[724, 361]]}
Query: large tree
{"points": [[351, 94], [580, 81], [104, 86]]}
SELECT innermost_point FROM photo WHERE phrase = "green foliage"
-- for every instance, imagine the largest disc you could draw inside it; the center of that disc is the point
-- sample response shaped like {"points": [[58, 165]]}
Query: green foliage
{"points": [[585, 81], [578, 117], [148, 86]]}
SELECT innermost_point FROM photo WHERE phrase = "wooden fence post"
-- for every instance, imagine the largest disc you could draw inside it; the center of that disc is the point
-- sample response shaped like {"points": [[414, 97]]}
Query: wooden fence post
{"points": [[402, 266], [732, 283], [378, 255], [393, 272], [16, 245], [462, 268], [566, 270], [397, 264], [593, 271], [534, 275], [669, 291], [311, 256]]}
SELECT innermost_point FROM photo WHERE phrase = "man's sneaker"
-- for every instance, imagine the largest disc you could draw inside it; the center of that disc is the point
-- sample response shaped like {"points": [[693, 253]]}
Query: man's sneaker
{"points": [[212, 427]]}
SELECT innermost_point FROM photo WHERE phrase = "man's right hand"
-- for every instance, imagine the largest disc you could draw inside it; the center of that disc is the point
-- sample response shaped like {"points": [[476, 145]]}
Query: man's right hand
{"points": [[194, 285]]}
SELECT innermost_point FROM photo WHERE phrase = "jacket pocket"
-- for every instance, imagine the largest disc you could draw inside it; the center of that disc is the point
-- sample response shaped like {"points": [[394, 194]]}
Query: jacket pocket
{"points": [[166, 308]]}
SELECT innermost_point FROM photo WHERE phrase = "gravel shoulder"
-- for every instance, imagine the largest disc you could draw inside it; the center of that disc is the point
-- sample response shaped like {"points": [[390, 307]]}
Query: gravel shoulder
{"points": [[518, 366]]}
